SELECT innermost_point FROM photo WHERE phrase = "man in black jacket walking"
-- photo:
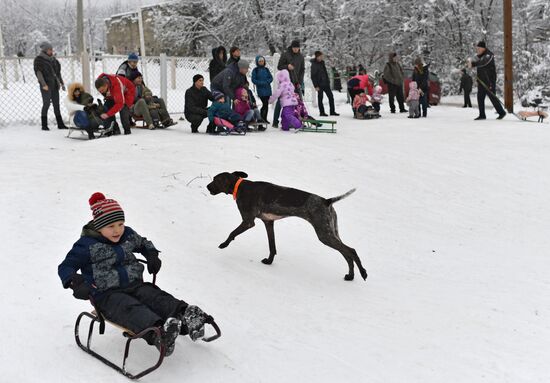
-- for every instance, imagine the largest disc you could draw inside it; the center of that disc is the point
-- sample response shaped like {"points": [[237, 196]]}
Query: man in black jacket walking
{"points": [[486, 80], [196, 102], [48, 73], [321, 82]]}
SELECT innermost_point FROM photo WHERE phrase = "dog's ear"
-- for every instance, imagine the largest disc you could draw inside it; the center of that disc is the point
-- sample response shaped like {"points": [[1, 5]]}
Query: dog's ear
{"points": [[240, 174]]}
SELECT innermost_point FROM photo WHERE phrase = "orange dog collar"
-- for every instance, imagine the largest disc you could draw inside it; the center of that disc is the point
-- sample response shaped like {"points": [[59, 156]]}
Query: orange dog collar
{"points": [[236, 188]]}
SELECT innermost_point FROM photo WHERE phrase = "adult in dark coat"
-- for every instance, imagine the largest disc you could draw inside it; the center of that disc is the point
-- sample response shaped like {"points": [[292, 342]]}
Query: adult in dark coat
{"points": [[321, 82], [486, 80], [196, 102], [466, 83], [217, 64], [421, 75], [231, 78], [48, 73], [234, 55], [393, 77], [293, 61], [129, 67]]}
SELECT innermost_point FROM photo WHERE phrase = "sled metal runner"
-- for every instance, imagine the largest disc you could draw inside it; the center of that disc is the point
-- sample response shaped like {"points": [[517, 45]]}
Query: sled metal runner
{"points": [[316, 126], [98, 318]]}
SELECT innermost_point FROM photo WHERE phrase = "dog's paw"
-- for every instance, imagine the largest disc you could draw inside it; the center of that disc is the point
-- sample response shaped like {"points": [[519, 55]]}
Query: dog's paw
{"points": [[267, 261], [223, 245], [348, 277], [364, 274]]}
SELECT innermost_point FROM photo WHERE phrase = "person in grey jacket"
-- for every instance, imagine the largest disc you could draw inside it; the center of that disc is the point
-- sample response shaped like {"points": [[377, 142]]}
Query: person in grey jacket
{"points": [[393, 77], [231, 78], [48, 73]]}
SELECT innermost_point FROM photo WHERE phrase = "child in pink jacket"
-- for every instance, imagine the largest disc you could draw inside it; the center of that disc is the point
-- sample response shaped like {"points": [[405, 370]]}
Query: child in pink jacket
{"points": [[413, 100], [285, 93]]}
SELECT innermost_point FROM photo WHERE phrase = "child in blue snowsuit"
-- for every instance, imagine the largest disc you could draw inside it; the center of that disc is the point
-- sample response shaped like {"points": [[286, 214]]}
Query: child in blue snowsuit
{"points": [[112, 278]]}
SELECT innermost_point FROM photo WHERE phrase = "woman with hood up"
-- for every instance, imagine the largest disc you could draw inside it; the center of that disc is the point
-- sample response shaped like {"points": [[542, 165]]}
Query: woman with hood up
{"points": [[285, 94], [218, 62], [262, 78]]}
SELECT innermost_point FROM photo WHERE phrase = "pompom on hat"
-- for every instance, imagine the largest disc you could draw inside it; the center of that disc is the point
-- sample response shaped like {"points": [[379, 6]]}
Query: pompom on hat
{"points": [[104, 211]]}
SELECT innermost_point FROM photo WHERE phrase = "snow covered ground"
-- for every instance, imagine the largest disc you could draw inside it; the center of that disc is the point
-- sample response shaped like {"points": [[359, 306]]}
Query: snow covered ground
{"points": [[451, 220]]}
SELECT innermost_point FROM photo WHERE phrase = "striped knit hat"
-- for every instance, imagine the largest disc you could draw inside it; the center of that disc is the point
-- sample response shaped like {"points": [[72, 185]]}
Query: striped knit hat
{"points": [[105, 211]]}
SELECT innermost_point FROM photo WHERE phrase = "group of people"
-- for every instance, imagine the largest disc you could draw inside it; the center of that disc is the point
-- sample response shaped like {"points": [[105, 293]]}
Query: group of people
{"points": [[124, 93], [234, 103]]}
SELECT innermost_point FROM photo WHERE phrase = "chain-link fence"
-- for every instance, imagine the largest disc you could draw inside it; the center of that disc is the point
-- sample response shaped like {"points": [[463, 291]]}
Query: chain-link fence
{"points": [[21, 102]]}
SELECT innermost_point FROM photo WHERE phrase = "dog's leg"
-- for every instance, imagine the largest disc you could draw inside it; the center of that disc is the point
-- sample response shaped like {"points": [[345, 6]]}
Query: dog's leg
{"points": [[327, 232], [244, 226], [271, 239]]}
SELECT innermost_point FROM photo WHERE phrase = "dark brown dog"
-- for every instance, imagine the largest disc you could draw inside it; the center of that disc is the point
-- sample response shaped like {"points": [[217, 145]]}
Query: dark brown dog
{"points": [[270, 202]]}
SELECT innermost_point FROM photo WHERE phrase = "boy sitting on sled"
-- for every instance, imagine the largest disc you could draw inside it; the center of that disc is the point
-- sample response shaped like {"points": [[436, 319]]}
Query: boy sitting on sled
{"points": [[112, 278], [221, 114]]}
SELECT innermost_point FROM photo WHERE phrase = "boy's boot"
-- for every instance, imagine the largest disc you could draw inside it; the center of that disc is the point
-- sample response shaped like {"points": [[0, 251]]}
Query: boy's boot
{"points": [[44, 123], [193, 319], [60, 123], [169, 332]]}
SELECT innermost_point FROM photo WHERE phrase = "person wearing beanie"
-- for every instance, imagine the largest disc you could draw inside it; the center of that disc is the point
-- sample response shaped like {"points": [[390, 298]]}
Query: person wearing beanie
{"points": [[293, 61], [484, 62], [112, 278], [48, 73], [129, 67], [394, 77], [196, 103], [231, 78], [151, 109], [234, 55], [321, 83]]}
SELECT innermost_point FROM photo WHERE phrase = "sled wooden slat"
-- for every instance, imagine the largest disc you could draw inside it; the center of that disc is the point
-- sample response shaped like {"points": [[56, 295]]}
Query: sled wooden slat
{"points": [[116, 325]]}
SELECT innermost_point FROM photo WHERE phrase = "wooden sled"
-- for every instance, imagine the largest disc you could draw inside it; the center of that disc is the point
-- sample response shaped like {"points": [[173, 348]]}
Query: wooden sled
{"points": [[524, 114]]}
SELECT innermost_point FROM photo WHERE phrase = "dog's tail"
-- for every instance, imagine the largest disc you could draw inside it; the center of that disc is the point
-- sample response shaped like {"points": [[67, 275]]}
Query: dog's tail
{"points": [[330, 201]]}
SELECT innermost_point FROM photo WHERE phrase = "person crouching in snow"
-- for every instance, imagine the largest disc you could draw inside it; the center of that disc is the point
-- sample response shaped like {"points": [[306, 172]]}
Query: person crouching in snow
{"points": [[360, 105], [285, 94], [376, 98], [413, 100], [222, 111], [112, 277]]}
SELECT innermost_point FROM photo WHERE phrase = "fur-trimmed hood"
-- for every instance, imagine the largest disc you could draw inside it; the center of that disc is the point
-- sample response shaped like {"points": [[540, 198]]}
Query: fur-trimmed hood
{"points": [[72, 87]]}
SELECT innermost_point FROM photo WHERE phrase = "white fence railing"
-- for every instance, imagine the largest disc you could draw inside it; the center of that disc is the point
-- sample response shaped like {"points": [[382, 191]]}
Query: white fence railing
{"points": [[170, 77]]}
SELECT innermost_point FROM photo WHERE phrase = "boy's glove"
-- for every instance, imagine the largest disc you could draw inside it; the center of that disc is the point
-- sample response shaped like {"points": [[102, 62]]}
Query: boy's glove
{"points": [[153, 264], [79, 287]]}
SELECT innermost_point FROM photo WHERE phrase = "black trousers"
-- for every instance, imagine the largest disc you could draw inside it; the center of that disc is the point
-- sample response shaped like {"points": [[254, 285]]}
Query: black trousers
{"points": [[265, 107], [320, 92], [125, 115], [396, 91], [139, 307], [50, 96], [467, 101], [195, 120], [482, 93]]}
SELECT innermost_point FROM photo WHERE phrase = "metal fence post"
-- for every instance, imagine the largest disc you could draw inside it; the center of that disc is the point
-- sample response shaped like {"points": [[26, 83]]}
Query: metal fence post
{"points": [[164, 78], [85, 60], [173, 72], [142, 43], [4, 72], [274, 62]]}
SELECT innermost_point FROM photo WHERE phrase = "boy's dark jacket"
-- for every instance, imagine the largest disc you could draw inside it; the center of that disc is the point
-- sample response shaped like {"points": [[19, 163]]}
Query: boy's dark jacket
{"points": [[106, 265]]}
